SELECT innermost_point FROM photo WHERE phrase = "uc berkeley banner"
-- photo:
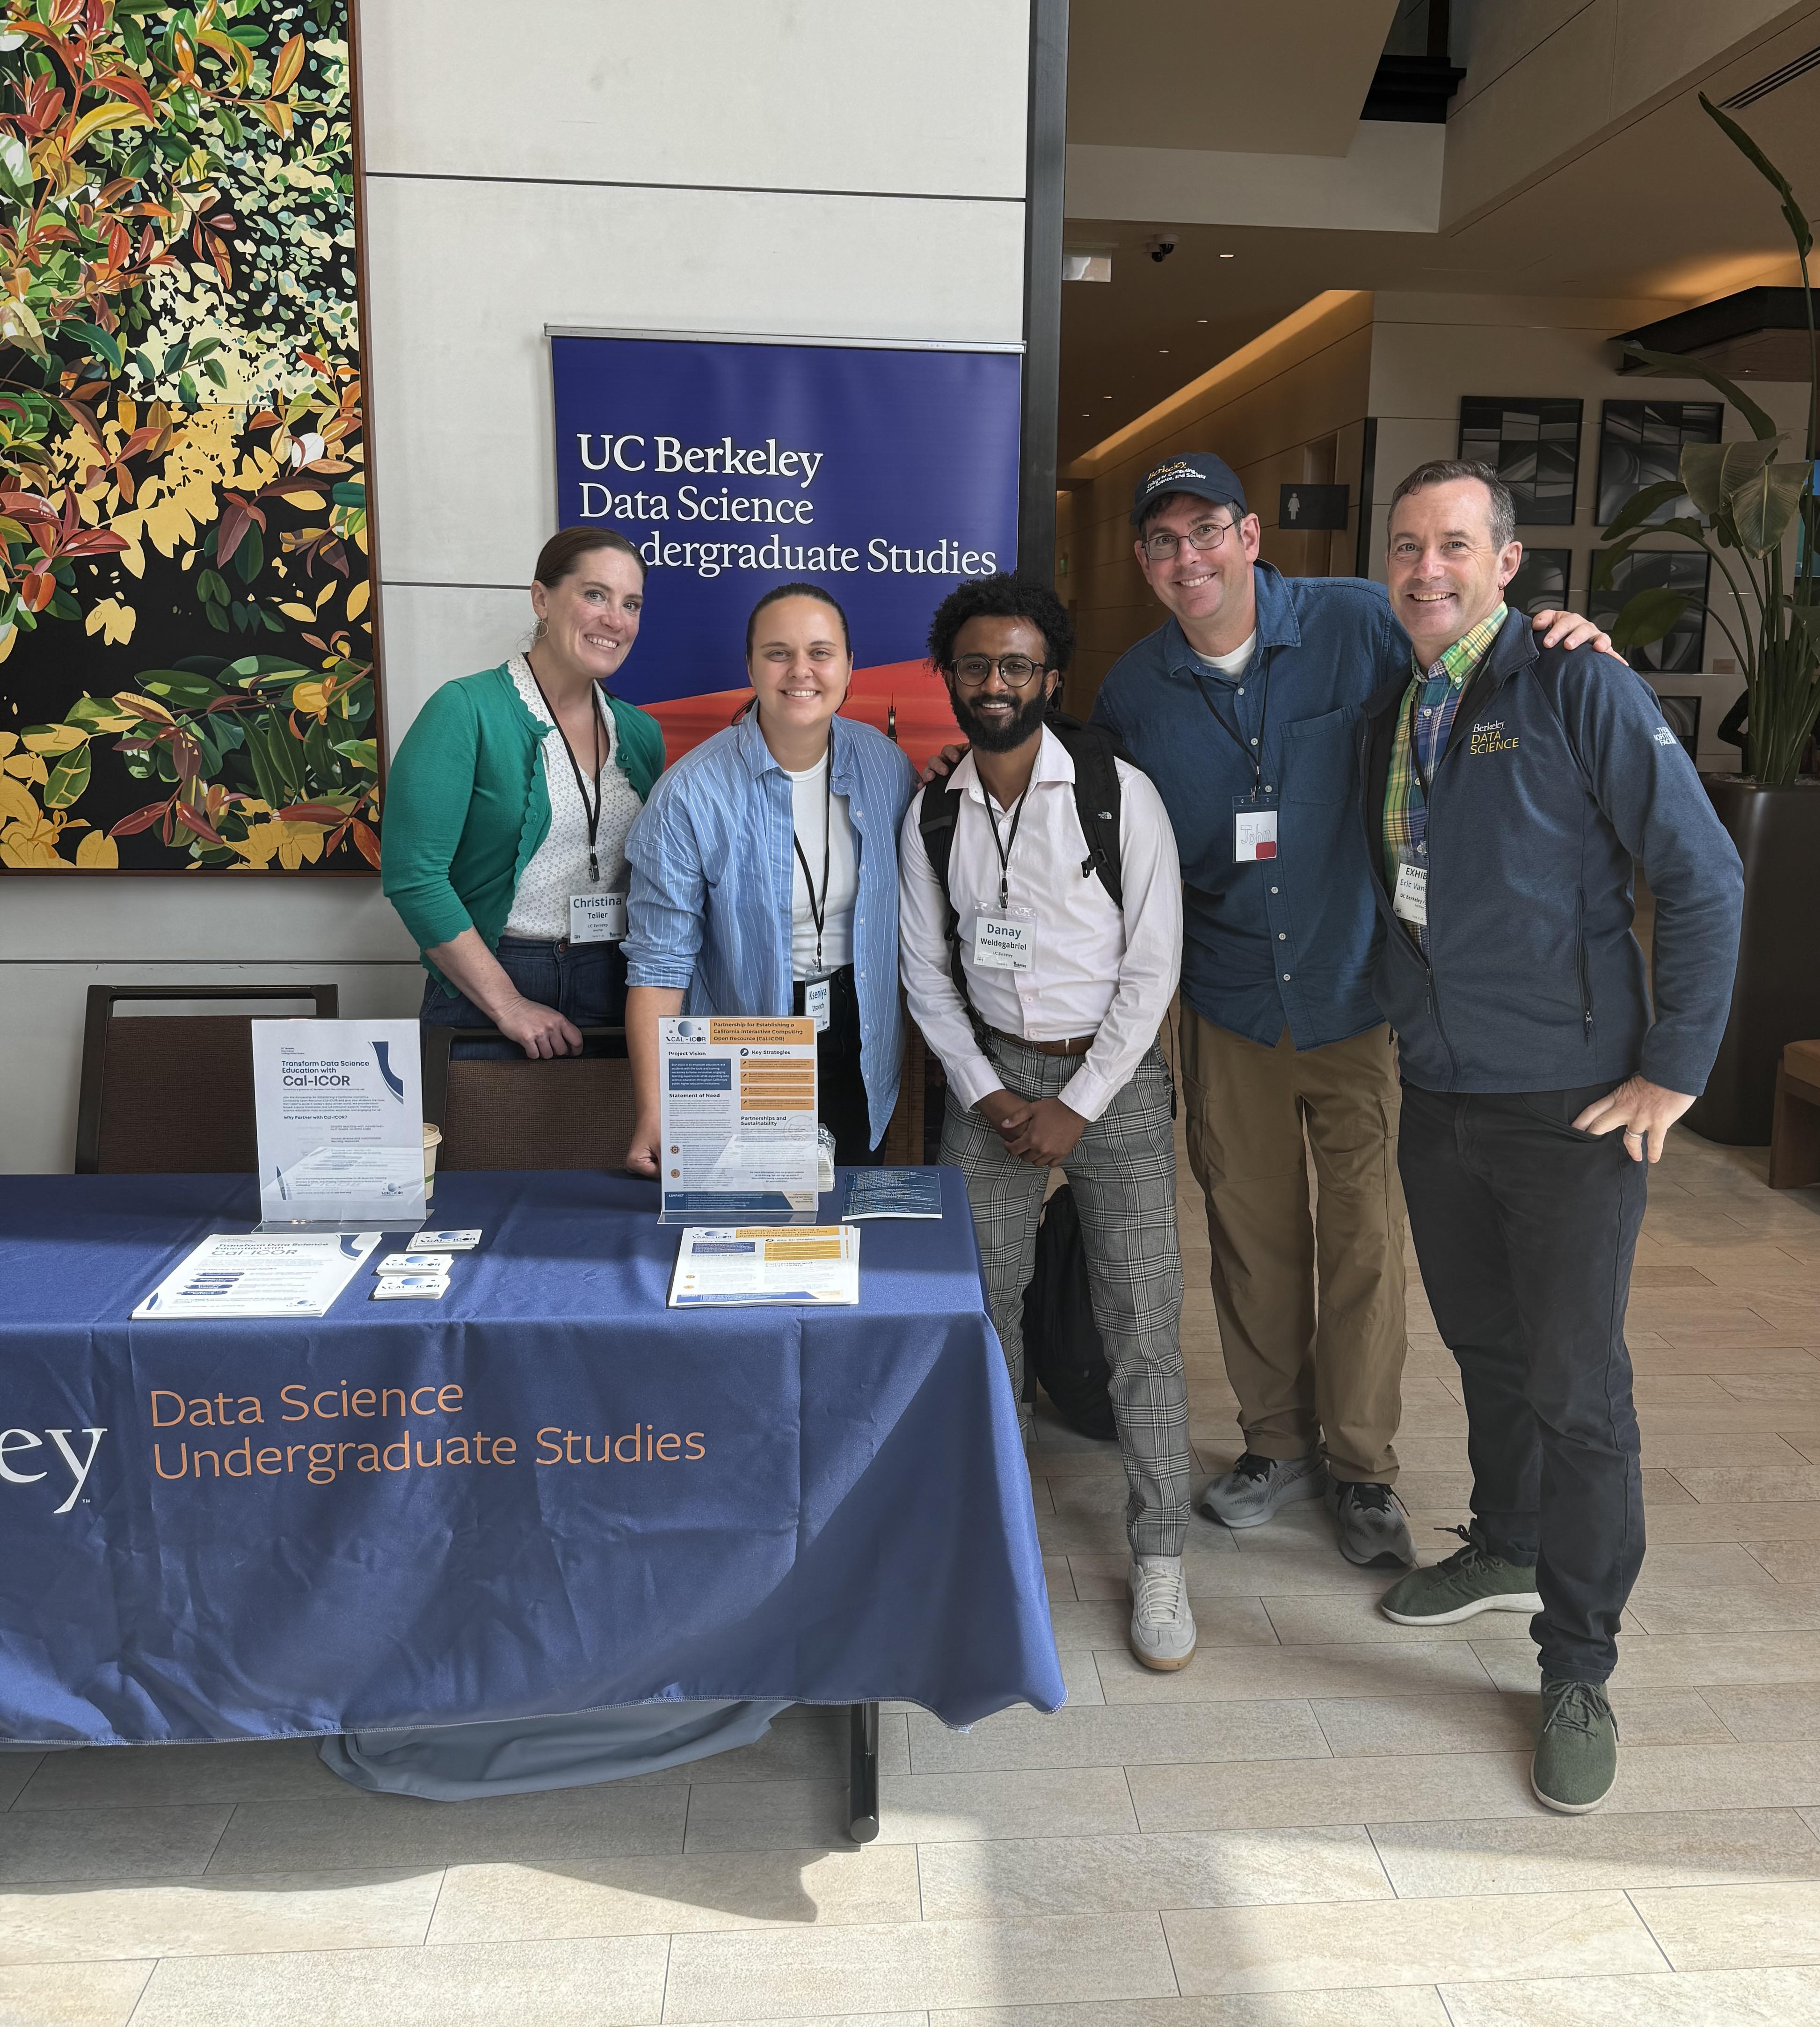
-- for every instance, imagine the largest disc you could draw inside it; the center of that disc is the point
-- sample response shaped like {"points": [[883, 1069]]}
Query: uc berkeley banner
{"points": [[887, 474]]}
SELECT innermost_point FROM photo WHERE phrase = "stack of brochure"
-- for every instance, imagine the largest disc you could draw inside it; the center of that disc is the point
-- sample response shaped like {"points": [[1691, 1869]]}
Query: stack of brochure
{"points": [[420, 1273]]}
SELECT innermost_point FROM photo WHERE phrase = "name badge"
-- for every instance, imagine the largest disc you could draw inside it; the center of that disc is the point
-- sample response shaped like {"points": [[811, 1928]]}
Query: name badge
{"points": [[1004, 941], [1253, 833], [816, 1003], [597, 918], [1410, 902]]}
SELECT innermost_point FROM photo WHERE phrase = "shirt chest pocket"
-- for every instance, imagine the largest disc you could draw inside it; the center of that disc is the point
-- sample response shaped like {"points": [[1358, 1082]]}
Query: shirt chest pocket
{"points": [[1318, 758]]}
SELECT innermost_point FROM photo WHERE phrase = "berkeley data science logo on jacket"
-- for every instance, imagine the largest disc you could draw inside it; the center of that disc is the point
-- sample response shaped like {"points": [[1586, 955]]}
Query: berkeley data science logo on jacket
{"points": [[887, 475]]}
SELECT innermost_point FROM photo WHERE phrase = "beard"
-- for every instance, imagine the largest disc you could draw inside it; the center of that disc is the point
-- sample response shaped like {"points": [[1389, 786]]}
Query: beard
{"points": [[1001, 735]]}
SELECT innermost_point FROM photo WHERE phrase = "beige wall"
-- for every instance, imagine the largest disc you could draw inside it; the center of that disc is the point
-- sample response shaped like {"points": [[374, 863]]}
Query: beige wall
{"points": [[1289, 407]]}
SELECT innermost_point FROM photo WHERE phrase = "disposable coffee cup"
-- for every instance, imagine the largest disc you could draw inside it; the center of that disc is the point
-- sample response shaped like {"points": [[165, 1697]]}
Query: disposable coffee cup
{"points": [[432, 1140]]}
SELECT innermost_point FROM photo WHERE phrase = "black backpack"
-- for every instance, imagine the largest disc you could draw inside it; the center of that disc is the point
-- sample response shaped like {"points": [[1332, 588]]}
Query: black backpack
{"points": [[1062, 1350]]}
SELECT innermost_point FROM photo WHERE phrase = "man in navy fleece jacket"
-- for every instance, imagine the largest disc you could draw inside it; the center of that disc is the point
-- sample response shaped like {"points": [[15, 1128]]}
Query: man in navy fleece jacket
{"points": [[1508, 788]]}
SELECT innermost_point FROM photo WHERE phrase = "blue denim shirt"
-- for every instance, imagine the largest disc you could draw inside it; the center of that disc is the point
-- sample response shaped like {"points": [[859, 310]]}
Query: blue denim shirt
{"points": [[712, 859], [1288, 941]]}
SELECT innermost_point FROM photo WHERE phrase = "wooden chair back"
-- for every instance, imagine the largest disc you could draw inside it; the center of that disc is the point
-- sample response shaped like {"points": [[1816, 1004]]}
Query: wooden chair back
{"points": [[172, 1094], [564, 1111]]}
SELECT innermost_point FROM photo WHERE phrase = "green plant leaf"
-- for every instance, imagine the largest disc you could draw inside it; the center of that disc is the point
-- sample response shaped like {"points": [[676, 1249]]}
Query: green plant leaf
{"points": [[1753, 154], [68, 779], [1764, 505], [105, 345], [1646, 619], [1672, 362], [176, 687], [1634, 512], [1711, 473], [17, 180]]}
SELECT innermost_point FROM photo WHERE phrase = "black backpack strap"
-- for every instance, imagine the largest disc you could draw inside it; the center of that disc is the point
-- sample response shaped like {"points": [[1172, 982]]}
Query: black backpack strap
{"points": [[1095, 753], [935, 820]]}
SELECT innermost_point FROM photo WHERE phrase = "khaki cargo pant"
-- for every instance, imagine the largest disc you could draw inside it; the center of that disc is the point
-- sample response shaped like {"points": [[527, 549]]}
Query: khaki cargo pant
{"points": [[1304, 1374]]}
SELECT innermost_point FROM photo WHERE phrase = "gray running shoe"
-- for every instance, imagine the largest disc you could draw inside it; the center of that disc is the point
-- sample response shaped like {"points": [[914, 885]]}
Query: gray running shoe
{"points": [[1254, 1489], [1162, 1635], [1471, 1580], [1373, 1533], [1577, 1756]]}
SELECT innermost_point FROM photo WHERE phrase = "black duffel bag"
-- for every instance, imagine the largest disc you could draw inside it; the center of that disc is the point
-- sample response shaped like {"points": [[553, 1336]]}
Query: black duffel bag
{"points": [[1062, 1351]]}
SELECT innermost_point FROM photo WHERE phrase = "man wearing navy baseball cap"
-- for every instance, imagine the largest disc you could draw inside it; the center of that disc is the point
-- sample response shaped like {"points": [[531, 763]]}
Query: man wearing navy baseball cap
{"points": [[1243, 709]]}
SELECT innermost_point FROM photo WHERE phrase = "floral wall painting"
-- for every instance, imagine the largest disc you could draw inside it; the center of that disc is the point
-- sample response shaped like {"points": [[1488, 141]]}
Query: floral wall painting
{"points": [[186, 679]]}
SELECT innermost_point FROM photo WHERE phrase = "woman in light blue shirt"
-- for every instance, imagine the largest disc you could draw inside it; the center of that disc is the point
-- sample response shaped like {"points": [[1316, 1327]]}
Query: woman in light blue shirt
{"points": [[764, 878]]}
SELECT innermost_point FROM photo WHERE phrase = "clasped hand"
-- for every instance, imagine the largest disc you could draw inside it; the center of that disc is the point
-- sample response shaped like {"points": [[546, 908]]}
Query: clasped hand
{"points": [[1644, 1109], [1040, 1131]]}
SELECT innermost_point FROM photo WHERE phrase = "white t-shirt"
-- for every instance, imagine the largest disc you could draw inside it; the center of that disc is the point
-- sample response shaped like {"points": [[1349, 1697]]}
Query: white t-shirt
{"points": [[559, 867], [1231, 665], [816, 810]]}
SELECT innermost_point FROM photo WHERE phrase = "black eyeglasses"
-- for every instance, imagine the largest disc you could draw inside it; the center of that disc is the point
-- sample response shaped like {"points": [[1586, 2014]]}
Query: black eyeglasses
{"points": [[1204, 535], [1017, 670]]}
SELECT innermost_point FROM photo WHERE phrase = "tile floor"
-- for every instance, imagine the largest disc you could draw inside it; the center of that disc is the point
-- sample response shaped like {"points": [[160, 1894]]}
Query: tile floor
{"points": [[1324, 1819]]}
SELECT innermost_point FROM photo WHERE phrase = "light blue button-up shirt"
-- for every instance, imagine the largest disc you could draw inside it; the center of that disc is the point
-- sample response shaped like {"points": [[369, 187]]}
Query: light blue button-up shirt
{"points": [[712, 859]]}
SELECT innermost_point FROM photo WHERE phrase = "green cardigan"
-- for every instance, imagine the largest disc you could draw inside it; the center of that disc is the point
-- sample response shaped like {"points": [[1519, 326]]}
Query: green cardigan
{"points": [[467, 804]]}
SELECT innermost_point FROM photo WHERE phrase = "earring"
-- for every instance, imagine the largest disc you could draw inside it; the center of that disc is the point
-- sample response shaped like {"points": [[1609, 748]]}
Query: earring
{"points": [[543, 628]]}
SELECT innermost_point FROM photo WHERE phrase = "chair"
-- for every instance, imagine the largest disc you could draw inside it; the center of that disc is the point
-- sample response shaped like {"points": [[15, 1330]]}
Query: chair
{"points": [[560, 1112], [172, 1095], [1795, 1127]]}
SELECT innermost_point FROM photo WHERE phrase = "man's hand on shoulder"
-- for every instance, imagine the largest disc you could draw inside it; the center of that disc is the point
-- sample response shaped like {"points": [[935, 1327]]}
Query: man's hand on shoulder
{"points": [[943, 764], [1569, 630], [1644, 1109]]}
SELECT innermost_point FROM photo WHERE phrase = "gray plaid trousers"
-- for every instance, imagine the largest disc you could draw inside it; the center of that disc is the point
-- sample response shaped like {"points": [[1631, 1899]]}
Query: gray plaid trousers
{"points": [[1123, 1170]]}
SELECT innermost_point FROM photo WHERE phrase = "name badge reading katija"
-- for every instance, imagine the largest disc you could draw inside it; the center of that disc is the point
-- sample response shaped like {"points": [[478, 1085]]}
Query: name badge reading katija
{"points": [[815, 1003], [1254, 835], [1410, 902], [597, 918], [1004, 941]]}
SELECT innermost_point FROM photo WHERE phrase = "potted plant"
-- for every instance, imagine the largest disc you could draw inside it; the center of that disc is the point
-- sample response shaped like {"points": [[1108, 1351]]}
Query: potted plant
{"points": [[1747, 498]]}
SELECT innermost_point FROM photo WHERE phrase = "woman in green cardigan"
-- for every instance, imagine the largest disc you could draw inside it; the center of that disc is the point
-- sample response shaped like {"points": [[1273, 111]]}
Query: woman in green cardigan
{"points": [[503, 847]]}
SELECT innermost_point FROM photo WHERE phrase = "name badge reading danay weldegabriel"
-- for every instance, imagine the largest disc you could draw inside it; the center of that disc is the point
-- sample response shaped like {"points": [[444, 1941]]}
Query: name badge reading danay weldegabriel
{"points": [[597, 918], [1005, 939]]}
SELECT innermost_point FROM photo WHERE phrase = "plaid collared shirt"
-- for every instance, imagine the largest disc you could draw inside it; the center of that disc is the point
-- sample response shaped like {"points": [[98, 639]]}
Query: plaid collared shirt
{"points": [[1429, 705]]}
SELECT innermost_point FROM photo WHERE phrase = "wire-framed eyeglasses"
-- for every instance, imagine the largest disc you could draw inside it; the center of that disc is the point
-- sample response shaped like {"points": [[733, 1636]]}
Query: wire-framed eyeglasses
{"points": [[1203, 537], [1018, 672]]}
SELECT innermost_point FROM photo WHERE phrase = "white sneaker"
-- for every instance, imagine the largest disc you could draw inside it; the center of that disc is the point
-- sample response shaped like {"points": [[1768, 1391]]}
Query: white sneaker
{"points": [[1162, 1634]]}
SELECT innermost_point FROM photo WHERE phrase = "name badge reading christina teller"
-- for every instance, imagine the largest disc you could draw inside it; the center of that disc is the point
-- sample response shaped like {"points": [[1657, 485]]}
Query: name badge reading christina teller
{"points": [[1410, 902], [1005, 939], [597, 918]]}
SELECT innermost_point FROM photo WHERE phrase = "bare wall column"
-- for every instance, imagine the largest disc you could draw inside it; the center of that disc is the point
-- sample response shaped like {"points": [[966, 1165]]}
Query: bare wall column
{"points": [[1042, 222]]}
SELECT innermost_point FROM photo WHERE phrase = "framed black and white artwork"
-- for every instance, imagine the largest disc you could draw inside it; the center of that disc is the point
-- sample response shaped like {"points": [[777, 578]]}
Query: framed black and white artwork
{"points": [[1532, 444]]}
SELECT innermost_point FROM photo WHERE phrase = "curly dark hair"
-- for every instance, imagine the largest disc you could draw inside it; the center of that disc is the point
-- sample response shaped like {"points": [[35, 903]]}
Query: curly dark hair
{"points": [[1003, 597]]}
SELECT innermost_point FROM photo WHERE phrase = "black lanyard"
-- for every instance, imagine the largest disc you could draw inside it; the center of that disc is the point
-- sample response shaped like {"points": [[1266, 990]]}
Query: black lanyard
{"points": [[590, 810], [1255, 757], [818, 909], [1428, 780], [1005, 849]]}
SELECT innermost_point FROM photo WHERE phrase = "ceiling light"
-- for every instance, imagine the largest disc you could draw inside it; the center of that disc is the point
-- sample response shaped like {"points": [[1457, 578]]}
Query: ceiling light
{"points": [[1226, 256], [1164, 349]]}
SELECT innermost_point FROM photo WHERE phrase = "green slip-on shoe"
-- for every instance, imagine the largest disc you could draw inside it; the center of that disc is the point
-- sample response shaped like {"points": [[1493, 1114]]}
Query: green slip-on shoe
{"points": [[1471, 1580], [1577, 1755]]}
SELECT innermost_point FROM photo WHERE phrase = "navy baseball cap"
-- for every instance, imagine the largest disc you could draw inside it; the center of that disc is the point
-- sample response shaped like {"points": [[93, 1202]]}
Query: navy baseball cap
{"points": [[1198, 472]]}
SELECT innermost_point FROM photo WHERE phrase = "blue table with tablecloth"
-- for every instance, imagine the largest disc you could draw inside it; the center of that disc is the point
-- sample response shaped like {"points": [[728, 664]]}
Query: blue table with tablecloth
{"points": [[546, 1493]]}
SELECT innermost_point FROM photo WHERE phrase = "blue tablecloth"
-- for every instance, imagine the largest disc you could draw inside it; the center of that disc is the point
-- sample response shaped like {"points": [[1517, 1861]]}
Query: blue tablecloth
{"points": [[546, 1493]]}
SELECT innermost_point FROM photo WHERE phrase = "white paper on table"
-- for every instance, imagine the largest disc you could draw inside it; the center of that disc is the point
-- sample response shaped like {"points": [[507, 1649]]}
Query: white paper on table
{"points": [[737, 1100], [739, 1265], [339, 1109], [235, 1275]]}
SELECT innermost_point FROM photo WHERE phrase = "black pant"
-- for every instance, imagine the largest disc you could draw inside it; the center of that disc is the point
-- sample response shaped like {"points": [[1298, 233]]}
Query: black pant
{"points": [[842, 1109], [1526, 1230], [585, 983]]}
